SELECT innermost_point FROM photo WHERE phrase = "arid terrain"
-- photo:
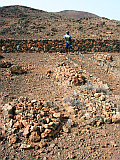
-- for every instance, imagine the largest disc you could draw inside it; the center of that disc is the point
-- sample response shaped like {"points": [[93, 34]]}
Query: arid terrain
{"points": [[83, 141], [19, 22], [56, 105]]}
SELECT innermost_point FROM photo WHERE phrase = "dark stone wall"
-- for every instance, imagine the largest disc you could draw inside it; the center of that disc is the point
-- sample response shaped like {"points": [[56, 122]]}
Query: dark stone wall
{"points": [[82, 45]]}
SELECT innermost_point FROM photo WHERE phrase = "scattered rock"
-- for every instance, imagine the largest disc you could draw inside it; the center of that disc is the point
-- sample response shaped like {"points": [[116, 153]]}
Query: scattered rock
{"points": [[113, 143], [97, 95], [22, 110], [91, 122], [116, 118], [26, 146], [42, 143], [102, 98], [5, 64], [26, 131], [12, 139], [57, 115], [71, 155], [66, 129], [34, 137], [52, 145]]}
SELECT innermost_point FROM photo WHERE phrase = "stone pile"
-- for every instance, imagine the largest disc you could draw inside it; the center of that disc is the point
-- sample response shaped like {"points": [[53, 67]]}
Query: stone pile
{"points": [[108, 63], [93, 104], [67, 75], [99, 109], [91, 100], [51, 46], [34, 121], [103, 57]]}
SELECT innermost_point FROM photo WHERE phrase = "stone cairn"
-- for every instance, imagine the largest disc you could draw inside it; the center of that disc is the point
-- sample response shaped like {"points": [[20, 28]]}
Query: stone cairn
{"points": [[93, 104], [90, 99], [70, 75], [107, 63], [34, 120]]}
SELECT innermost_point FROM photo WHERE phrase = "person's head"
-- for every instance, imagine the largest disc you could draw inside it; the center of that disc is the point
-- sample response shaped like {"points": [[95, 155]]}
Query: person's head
{"points": [[67, 32]]}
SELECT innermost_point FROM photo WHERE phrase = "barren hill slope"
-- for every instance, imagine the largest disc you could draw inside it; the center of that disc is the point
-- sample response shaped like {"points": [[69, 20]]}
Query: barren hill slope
{"points": [[20, 22], [75, 14]]}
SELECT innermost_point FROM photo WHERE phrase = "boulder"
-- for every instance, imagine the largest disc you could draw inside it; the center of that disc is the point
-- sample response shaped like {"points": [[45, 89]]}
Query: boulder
{"points": [[8, 109], [25, 146], [116, 118], [107, 120], [16, 70]]}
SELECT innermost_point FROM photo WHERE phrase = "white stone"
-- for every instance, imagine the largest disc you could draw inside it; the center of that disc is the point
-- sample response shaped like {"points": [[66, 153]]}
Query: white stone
{"points": [[25, 146], [34, 101], [8, 109]]}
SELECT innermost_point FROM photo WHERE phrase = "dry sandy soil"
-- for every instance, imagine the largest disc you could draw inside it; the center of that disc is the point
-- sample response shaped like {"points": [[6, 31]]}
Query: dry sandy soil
{"points": [[83, 142]]}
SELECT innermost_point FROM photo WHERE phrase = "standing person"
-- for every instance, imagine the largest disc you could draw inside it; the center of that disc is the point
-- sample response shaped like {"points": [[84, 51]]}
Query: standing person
{"points": [[67, 38]]}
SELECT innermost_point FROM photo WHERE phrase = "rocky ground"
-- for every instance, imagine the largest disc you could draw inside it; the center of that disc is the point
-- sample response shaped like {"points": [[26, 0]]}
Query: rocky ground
{"points": [[58, 106]]}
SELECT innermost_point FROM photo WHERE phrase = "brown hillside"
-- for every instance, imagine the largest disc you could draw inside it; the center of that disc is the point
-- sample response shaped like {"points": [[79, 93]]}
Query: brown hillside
{"points": [[75, 14], [20, 22]]}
